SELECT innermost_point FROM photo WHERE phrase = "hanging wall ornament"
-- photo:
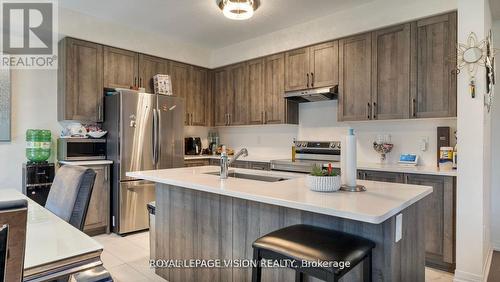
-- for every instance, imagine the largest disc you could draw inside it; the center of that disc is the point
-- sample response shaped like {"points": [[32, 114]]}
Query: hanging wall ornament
{"points": [[470, 56], [490, 72]]}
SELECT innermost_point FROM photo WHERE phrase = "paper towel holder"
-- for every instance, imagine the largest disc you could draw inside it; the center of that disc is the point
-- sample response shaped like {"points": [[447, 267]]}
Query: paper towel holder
{"points": [[357, 188]]}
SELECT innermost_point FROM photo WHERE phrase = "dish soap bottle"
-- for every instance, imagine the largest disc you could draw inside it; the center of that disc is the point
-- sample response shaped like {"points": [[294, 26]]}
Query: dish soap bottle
{"points": [[293, 150]]}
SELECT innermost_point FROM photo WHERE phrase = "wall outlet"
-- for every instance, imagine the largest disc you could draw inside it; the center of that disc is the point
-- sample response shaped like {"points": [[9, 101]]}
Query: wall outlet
{"points": [[424, 142], [399, 227]]}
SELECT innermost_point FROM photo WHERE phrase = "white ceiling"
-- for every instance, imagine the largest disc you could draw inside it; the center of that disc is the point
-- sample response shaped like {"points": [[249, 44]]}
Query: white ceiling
{"points": [[200, 22]]}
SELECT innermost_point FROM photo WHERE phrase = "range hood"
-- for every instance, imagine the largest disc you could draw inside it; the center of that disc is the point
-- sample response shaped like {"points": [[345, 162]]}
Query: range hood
{"points": [[313, 95]]}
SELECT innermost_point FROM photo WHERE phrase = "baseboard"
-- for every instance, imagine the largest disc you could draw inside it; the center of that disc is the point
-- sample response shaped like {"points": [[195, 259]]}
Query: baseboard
{"points": [[462, 276], [496, 245], [487, 265]]}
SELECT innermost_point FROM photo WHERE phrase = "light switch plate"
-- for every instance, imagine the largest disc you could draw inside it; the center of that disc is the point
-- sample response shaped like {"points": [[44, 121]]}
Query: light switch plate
{"points": [[399, 227]]}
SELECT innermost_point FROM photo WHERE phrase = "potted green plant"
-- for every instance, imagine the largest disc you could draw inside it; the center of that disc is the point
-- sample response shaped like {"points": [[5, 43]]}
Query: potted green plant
{"points": [[323, 180]]}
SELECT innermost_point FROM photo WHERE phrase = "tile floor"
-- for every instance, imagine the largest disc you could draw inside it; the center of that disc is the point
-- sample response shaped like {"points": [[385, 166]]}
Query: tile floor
{"points": [[127, 259]]}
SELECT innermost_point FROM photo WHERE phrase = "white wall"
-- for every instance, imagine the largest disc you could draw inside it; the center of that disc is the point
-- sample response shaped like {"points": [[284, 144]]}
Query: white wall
{"points": [[472, 242], [81, 26], [362, 18], [495, 154], [318, 121]]}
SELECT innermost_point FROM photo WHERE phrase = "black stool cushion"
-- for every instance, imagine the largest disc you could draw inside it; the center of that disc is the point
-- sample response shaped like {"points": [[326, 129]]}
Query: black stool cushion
{"points": [[311, 243]]}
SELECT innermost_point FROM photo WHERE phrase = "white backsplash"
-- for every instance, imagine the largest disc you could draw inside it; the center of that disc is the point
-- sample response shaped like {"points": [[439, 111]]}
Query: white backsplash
{"points": [[318, 121]]}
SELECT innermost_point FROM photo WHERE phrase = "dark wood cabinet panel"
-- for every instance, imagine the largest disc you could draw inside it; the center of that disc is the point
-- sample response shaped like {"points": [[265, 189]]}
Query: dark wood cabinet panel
{"points": [[221, 96], [97, 220], [80, 81], [179, 74], [150, 66], [255, 88], [324, 64], [391, 49], [120, 68], [440, 219], [197, 96], [435, 76], [297, 69], [277, 109], [238, 99], [355, 78], [382, 176]]}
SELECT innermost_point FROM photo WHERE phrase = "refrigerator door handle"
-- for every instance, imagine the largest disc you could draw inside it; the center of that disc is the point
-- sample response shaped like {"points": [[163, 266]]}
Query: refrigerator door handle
{"points": [[158, 134], [154, 139]]}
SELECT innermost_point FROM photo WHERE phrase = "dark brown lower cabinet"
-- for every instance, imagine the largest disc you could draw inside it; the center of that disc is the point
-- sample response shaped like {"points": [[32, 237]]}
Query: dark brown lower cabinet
{"points": [[440, 219], [440, 215]]}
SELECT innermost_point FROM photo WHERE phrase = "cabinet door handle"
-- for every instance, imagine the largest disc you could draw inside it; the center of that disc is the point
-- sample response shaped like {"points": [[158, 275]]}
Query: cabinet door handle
{"points": [[106, 173], [414, 107], [368, 110], [312, 79], [374, 110], [265, 117], [307, 74], [99, 112], [191, 119], [135, 81], [230, 118], [140, 81], [262, 117]]}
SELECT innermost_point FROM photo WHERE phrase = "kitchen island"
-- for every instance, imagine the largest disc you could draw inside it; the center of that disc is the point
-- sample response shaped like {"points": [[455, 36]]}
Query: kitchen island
{"points": [[199, 216]]}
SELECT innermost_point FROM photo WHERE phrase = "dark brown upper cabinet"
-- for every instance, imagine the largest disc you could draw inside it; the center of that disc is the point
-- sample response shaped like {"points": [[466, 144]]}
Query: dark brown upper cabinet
{"points": [[355, 91], [120, 68], [197, 98], [238, 99], [390, 90], [277, 109], [297, 75], [311, 67], [255, 90], [435, 94], [324, 64], [150, 66], [80, 81], [221, 97]]}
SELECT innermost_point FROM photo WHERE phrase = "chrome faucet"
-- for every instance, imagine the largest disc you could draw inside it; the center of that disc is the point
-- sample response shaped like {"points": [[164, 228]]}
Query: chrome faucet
{"points": [[225, 163]]}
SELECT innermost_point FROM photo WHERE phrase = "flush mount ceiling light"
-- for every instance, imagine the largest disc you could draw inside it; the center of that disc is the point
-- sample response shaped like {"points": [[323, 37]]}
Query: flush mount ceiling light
{"points": [[238, 9]]}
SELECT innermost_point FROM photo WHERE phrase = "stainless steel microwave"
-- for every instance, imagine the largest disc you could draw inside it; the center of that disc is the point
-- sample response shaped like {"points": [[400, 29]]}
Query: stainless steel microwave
{"points": [[81, 149]]}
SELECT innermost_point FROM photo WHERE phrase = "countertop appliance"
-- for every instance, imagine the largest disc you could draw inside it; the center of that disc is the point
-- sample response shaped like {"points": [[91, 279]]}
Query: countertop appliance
{"points": [[313, 95], [192, 145], [37, 180], [145, 132], [308, 154], [81, 149]]}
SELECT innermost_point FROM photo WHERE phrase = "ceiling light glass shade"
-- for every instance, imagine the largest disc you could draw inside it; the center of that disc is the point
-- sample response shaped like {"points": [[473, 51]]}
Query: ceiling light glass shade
{"points": [[238, 9]]}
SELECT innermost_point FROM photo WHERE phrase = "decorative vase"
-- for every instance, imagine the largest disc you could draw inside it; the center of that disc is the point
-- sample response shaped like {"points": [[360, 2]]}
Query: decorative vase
{"points": [[323, 183]]}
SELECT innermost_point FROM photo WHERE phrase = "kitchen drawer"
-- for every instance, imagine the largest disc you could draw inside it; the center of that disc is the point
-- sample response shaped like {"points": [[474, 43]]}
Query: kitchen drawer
{"points": [[196, 162], [260, 165], [382, 176]]}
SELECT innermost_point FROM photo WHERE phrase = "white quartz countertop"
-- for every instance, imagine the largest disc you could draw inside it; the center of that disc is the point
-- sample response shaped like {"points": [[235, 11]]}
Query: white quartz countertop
{"points": [[48, 238], [96, 162], [431, 170], [380, 202]]}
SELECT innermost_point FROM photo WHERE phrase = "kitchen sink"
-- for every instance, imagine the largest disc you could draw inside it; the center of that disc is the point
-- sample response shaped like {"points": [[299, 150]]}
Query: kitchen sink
{"points": [[265, 178]]}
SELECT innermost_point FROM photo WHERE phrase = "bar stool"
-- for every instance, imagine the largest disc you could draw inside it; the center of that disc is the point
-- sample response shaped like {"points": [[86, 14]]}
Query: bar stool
{"points": [[310, 243]]}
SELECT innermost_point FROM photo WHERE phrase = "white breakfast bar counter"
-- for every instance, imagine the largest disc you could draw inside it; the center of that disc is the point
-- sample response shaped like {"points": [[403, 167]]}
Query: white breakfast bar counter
{"points": [[53, 246], [200, 216]]}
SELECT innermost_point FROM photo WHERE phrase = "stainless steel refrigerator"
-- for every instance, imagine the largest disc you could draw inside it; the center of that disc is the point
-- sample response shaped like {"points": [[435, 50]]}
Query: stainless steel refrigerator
{"points": [[145, 132]]}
